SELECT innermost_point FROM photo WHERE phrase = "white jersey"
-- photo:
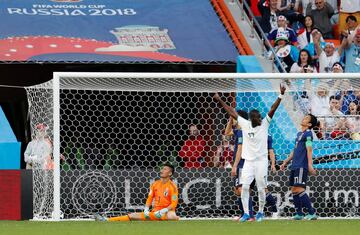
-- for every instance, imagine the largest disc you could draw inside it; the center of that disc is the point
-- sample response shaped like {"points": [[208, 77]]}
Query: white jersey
{"points": [[255, 144], [37, 152], [349, 6]]}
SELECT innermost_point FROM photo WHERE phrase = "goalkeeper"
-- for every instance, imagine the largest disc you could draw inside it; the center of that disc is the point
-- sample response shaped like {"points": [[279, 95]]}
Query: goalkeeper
{"points": [[163, 196]]}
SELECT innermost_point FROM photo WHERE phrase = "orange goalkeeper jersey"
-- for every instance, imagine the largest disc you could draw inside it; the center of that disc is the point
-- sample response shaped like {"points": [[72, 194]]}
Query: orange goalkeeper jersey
{"points": [[163, 195]]}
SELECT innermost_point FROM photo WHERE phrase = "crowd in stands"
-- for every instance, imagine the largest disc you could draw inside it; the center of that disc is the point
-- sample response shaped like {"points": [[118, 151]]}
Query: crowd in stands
{"points": [[318, 36], [327, 29]]}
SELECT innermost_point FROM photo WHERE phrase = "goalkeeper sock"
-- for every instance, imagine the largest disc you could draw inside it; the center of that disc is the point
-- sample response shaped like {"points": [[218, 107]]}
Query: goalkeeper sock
{"points": [[270, 200], [251, 209], [120, 218], [305, 201], [297, 203], [241, 208]]}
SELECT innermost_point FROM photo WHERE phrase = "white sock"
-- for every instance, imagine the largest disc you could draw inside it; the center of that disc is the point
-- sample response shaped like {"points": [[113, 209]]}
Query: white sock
{"points": [[245, 194], [262, 199]]}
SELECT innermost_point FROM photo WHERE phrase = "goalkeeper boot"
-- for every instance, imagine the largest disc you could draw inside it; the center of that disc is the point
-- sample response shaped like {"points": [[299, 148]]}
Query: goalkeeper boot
{"points": [[298, 217], [245, 218], [311, 217], [259, 216], [100, 218]]}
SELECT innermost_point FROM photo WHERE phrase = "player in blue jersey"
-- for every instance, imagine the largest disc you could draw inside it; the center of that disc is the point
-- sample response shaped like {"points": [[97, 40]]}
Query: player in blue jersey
{"points": [[270, 200], [302, 165], [234, 130]]}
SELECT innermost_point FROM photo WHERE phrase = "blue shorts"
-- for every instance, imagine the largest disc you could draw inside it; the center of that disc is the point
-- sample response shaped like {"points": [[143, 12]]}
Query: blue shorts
{"points": [[298, 177], [237, 179]]}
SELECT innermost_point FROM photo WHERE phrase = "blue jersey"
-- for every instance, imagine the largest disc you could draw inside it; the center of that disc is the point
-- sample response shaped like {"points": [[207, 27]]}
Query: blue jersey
{"points": [[270, 142], [238, 139], [303, 139]]}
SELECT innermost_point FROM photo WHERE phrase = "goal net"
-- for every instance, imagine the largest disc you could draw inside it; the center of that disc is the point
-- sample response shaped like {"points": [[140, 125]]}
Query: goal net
{"points": [[112, 131]]}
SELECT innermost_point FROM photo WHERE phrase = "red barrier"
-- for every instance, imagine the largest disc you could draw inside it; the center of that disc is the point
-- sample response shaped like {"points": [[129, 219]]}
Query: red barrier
{"points": [[10, 195]]}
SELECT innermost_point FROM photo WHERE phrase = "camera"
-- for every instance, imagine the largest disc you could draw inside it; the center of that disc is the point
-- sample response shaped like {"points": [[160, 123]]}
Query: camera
{"points": [[328, 69], [305, 68]]}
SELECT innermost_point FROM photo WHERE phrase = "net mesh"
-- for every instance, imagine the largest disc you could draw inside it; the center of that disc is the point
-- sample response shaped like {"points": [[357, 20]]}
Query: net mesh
{"points": [[116, 131]]}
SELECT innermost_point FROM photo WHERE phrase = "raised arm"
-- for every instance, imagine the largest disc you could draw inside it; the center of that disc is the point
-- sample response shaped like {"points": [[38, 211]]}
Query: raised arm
{"points": [[343, 45], [277, 102], [228, 129], [309, 8], [318, 48], [227, 108]]}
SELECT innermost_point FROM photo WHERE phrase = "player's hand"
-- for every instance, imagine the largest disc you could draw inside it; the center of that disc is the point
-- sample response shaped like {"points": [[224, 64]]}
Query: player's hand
{"points": [[283, 166], [147, 213], [282, 89], [233, 171], [216, 96], [312, 171], [161, 212], [273, 168]]}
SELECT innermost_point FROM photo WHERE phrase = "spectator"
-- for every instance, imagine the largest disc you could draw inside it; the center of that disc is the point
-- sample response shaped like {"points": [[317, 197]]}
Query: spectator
{"points": [[345, 94], [337, 68], [304, 63], [321, 15], [305, 36], [317, 36], [224, 153], [319, 100], [282, 23], [353, 123], [268, 12], [352, 53], [288, 54], [357, 95], [192, 152], [334, 125], [253, 6], [347, 8], [328, 57], [38, 151], [285, 6], [351, 24], [304, 4]]}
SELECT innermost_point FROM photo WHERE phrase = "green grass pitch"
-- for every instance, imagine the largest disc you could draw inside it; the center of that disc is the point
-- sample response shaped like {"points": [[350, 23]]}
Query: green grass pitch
{"points": [[207, 227]]}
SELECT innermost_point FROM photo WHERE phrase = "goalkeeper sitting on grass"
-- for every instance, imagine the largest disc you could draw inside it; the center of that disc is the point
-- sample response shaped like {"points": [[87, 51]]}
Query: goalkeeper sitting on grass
{"points": [[163, 193]]}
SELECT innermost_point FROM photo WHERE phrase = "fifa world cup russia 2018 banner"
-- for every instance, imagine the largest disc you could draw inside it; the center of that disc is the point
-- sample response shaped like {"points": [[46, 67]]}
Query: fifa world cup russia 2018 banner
{"points": [[112, 30]]}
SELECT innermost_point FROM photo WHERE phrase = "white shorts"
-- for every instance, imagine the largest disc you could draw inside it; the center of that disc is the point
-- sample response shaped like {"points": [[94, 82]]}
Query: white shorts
{"points": [[258, 170]]}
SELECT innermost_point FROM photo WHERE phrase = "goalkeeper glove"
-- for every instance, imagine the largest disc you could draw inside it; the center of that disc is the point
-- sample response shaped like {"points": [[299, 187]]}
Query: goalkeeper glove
{"points": [[147, 213], [161, 212]]}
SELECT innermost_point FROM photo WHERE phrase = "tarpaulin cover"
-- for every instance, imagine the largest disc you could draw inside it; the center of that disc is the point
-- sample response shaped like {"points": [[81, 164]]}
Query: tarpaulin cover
{"points": [[113, 30]]}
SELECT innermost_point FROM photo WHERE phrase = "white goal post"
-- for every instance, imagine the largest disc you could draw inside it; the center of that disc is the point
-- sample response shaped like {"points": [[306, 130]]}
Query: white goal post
{"points": [[110, 132]]}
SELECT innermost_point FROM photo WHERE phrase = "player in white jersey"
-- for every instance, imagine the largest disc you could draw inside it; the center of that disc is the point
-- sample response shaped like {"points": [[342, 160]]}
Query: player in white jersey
{"points": [[255, 152]]}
